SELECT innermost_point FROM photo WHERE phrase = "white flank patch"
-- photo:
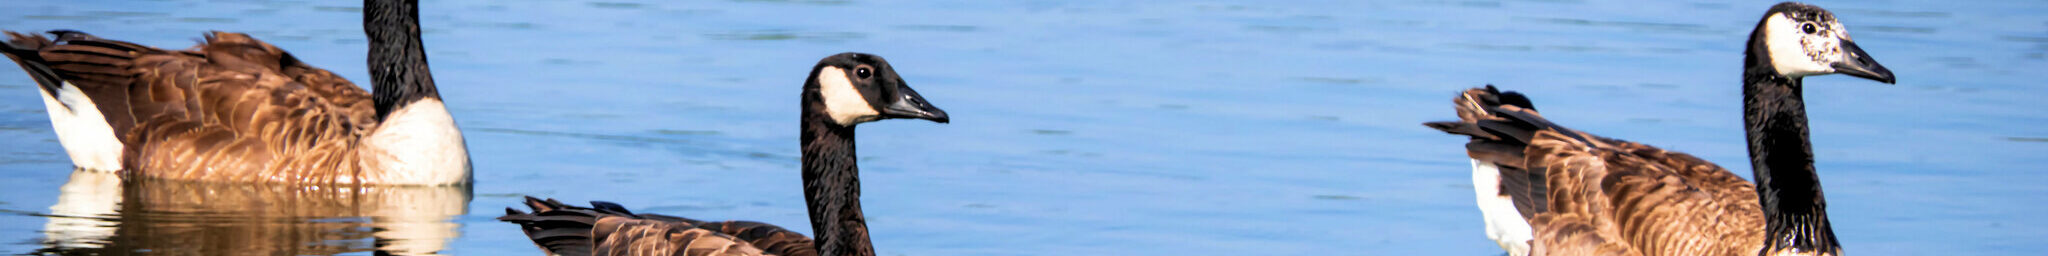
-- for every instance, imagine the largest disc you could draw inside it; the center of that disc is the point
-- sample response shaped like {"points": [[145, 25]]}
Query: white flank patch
{"points": [[82, 130], [844, 103], [417, 145], [1504, 223], [1788, 45]]}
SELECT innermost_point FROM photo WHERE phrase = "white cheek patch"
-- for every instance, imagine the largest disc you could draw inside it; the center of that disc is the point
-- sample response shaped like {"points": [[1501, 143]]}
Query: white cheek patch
{"points": [[843, 103], [1795, 53]]}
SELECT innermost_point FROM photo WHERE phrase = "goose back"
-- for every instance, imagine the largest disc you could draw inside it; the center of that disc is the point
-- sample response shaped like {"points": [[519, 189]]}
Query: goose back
{"points": [[235, 109], [607, 229], [231, 109]]}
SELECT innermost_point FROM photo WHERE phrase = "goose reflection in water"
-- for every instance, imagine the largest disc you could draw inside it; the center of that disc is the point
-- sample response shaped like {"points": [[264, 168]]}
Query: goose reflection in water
{"points": [[98, 213]]}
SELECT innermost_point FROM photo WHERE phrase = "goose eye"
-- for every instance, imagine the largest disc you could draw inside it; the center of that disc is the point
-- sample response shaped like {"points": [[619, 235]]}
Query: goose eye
{"points": [[1808, 28], [863, 73]]}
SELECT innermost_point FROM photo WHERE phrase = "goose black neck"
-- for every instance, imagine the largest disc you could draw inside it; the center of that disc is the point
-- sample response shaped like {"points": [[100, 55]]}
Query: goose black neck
{"points": [[832, 184], [1781, 156], [398, 62]]}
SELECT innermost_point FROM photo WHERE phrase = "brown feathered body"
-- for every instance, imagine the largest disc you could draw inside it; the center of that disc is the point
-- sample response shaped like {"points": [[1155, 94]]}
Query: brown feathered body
{"points": [[232, 109], [607, 229], [1582, 194], [1602, 196]]}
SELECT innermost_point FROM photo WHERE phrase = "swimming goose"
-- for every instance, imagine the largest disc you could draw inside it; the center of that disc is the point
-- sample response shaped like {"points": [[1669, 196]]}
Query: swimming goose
{"points": [[1549, 190], [844, 90], [234, 109]]}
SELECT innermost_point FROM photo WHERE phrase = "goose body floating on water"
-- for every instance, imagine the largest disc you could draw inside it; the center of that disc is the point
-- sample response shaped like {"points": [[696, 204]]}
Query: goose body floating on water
{"points": [[234, 109], [1549, 190], [843, 90]]}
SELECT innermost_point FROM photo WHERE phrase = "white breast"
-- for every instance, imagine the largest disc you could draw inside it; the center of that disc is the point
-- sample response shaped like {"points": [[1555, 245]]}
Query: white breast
{"points": [[418, 144]]}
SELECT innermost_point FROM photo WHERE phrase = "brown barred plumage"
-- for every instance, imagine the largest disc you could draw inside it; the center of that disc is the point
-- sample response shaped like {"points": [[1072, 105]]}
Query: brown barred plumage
{"points": [[607, 229], [235, 109], [1607, 196]]}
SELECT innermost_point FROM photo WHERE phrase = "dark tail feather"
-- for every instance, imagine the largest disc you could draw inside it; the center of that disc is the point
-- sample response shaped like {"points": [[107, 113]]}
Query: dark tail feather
{"points": [[1498, 122], [1489, 114], [1501, 125], [99, 67], [24, 44], [558, 228], [26, 50]]}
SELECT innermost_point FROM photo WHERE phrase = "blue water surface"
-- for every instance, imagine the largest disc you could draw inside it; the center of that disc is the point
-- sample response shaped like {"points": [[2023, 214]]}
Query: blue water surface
{"points": [[1082, 127]]}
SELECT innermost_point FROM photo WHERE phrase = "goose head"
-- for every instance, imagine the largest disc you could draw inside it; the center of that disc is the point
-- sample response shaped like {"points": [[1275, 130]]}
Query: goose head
{"points": [[853, 88], [1809, 41], [1805, 40]]}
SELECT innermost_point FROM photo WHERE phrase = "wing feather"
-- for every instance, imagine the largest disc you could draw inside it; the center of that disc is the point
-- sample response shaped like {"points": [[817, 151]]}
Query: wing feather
{"points": [[232, 109]]}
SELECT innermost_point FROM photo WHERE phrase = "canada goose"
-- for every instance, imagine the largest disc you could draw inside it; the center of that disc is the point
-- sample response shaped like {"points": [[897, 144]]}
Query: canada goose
{"points": [[235, 109], [843, 90], [1580, 194]]}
